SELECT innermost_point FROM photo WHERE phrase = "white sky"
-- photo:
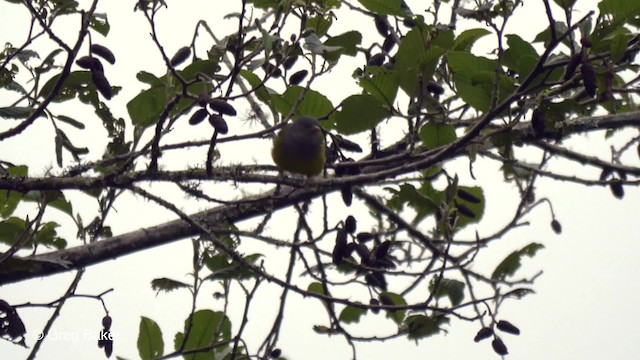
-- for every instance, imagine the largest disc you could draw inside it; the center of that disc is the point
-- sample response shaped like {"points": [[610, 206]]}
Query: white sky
{"points": [[586, 301]]}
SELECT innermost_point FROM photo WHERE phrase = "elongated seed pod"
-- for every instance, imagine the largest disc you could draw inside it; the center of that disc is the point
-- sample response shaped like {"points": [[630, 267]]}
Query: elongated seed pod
{"points": [[198, 117], [364, 237], [386, 300], [376, 279], [389, 43], [347, 195], [382, 250], [298, 77], [462, 209], [101, 83], [499, 347], [589, 78], [180, 56], [350, 224], [222, 107], [103, 52], [218, 123], [616, 188], [346, 144], [381, 25], [376, 60], [556, 226], [289, 62], [572, 65], [483, 333], [339, 250], [106, 322], [507, 327], [467, 196], [374, 302], [271, 69], [435, 88], [90, 63], [537, 122]]}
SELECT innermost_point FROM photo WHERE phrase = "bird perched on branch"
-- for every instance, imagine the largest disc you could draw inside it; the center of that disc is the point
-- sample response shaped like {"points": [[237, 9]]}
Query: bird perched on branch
{"points": [[300, 147]]}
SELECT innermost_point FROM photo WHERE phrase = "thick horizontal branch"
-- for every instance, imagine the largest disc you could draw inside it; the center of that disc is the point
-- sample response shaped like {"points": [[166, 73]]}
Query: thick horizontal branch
{"points": [[14, 270]]}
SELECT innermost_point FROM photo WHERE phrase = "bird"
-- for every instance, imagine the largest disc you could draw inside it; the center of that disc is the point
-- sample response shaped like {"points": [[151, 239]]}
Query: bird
{"points": [[300, 147]]}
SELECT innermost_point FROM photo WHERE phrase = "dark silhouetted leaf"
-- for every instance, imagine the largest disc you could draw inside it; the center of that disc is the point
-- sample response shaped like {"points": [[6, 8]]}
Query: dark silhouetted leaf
{"points": [[150, 342], [351, 314], [167, 285], [511, 263]]}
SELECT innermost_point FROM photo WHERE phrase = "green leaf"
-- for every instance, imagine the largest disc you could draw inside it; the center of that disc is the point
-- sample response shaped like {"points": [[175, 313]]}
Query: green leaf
{"points": [[16, 112], [359, 113], [619, 45], [474, 77], [223, 267], [561, 28], [145, 109], [435, 134], [396, 315], [18, 171], [383, 7], [167, 285], [208, 68], [421, 326], [264, 4], [622, 11], [100, 23], [416, 60], [315, 46], [511, 263], [520, 56], [316, 287], [207, 327], [381, 84], [349, 42], [9, 201], [261, 91], [320, 24], [150, 343], [48, 63], [47, 236], [424, 201], [565, 4], [351, 314], [77, 83], [453, 289], [54, 198], [443, 39], [467, 38], [313, 103], [149, 78], [11, 230], [62, 205]]}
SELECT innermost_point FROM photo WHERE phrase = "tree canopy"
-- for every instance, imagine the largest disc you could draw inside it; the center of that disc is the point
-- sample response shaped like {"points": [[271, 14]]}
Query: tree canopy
{"points": [[424, 106]]}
